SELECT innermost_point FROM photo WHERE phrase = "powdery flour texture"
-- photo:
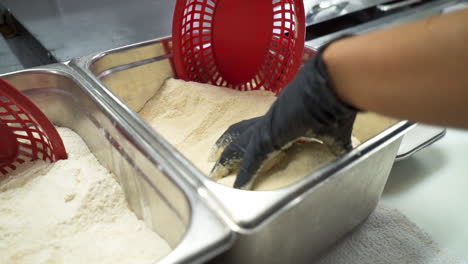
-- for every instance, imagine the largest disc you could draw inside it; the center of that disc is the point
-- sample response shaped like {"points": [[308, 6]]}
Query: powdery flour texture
{"points": [[192, 116], [72, 211]]}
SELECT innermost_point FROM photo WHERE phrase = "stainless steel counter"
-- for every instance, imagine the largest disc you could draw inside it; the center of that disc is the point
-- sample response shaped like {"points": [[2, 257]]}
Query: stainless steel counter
{"points": [[8, 62], [68, 29]]}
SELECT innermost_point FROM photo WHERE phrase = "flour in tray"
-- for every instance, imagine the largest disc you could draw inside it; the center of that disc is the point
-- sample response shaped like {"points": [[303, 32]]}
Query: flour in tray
{"points": [[192, 116], [71, 211]]}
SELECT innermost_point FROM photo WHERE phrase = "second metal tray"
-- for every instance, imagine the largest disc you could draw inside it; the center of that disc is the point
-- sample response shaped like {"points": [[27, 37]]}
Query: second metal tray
{"points": [[166, 203]]}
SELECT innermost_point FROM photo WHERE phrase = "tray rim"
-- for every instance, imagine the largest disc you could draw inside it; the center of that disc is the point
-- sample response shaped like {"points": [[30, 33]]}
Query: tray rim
{"points": [[277, 200]]}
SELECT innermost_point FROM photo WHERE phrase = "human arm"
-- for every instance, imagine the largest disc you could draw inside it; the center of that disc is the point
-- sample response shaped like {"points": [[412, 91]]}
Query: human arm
{"points": [[417, 71]]}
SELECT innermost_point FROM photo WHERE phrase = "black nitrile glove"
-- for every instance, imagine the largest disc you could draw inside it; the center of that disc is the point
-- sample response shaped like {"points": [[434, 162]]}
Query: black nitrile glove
{"points": [[307, 107]]}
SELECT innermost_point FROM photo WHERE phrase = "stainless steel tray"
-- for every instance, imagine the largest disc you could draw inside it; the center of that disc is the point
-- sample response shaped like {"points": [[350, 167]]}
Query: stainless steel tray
{"points": [[322, 10], [289, 225], [164, 201], [419, 138], [427, 9]]}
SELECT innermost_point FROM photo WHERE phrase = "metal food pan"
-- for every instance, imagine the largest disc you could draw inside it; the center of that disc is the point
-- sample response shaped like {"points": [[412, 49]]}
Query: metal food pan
{"points": [[289, 225], [167, 204]]}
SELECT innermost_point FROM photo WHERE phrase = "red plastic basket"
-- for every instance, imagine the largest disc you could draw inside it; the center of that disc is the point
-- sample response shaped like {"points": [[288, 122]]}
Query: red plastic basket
{"points": [[25, 132], [241, 44]]}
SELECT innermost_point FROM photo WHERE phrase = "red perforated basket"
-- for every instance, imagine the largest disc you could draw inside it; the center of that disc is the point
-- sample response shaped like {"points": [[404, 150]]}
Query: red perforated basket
{"points": [[25, 132], [241, 44]]}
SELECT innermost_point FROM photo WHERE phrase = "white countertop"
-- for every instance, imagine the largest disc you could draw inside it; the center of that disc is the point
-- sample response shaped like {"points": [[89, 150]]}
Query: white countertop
{"points": [[431, 189]]}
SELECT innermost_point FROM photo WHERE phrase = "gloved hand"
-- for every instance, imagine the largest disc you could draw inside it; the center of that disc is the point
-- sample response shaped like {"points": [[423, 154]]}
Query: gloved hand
{"points": [[307, 107]]}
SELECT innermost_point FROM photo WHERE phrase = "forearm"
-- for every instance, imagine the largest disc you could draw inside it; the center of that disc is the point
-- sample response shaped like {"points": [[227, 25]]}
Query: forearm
{"points": [[417, 71]]}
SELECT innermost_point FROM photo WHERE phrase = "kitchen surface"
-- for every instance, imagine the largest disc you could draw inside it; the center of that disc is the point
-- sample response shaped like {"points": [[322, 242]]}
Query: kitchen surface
{"points": [[427, 183], [429, 188]]}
